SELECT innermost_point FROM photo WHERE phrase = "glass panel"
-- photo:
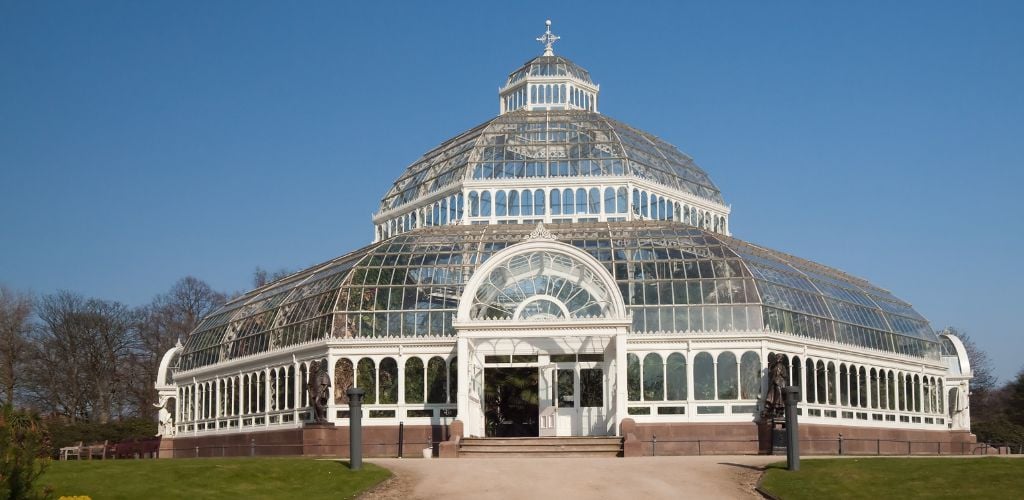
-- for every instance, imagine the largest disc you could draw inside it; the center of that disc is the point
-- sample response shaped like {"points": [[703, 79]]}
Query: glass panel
{"points": [[566, 391], [414, 380], [675, 369], [388, 381], [750, 369], [591, 387], [703, 376], [437, 380], [727, 376], [654, 378], [633, 377], [366, 379]]}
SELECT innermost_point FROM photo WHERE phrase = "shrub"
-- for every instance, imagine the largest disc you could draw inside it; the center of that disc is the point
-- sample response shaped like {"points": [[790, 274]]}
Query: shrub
{"points": [[24, 446]]}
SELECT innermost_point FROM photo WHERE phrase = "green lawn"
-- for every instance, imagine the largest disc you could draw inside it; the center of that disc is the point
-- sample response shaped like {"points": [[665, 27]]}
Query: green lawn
{"points": [[902, 478], [211, 478]]}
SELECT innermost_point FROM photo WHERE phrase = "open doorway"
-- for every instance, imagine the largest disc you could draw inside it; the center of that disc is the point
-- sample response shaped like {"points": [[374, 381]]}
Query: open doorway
{"points": [[511, 402]]}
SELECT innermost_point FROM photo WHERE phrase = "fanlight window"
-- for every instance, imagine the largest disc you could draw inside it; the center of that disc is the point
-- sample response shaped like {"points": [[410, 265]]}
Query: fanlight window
{"points": [[541, 285]]}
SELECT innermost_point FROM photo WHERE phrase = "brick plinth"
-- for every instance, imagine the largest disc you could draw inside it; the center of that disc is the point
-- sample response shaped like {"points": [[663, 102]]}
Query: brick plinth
{"points": [[310, 440]]}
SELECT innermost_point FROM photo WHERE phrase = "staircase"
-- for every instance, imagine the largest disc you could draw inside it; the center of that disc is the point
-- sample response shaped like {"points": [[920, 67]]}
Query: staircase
{"points": [[601, 446]]}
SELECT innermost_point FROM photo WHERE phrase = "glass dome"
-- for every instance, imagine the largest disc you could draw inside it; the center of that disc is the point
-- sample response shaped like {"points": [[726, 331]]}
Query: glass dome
{"points": [[673, 278], [553, 144]]}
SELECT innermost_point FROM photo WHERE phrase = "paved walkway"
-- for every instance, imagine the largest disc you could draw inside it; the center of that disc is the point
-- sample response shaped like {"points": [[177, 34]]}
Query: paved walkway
{"points": [[572, 478]]}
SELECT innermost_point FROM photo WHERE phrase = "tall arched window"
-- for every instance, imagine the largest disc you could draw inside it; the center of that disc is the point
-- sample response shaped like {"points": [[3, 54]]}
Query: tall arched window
{"points": [[645, 209], [703, 376], [500, 204], [654, 378], [568, 203], [727, 378], [525, 204], [750, 375], [538, 202], [675, 371], [844, 386], [609, 200], [414, 380], [581, 201], [437, 380], [797, 377], [661, 209], [831, 383], [485, 204], [556, 202], [636, 201], [809, 386], [474, 204], [821, 386], [594, 200], [621, 200], [453, 379], [862, 379], [388, 381], [366, 379]]}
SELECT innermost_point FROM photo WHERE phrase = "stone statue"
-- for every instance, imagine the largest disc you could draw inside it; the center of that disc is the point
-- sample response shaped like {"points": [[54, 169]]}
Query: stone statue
{"points": [[319, 389], [774, 404]]}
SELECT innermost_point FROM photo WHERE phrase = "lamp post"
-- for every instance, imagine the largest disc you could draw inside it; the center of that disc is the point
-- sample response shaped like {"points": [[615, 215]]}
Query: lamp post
{"points": [[792, 395], [355, 427]]}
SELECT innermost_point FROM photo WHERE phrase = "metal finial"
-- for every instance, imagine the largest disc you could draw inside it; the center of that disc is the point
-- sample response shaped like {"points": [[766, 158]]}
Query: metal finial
{"points": [[548, 39]]}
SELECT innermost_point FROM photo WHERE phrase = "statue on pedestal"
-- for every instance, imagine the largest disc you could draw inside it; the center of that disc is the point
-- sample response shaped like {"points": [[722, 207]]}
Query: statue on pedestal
{"points": [[319, 389]]}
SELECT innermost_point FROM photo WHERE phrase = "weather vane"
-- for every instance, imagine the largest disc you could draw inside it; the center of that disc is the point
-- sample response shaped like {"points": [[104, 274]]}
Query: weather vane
{"points": [[548, 39]]}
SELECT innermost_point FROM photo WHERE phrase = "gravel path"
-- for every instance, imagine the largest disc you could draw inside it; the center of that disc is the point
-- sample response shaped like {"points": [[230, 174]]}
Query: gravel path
{"points": [[571, 478]]}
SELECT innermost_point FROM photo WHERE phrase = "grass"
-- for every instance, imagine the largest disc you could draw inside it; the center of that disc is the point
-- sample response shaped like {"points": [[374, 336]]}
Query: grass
{"points": [[902, 478], [250, 478]]}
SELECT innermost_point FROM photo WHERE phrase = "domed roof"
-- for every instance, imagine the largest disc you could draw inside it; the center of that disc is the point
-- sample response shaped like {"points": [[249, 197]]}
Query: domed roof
{"points": [[549, 66], [552, 143], [673, 278]]}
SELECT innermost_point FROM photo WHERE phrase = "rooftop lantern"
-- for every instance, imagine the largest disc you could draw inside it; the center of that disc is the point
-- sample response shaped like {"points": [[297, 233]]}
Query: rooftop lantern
{"points": [[548, 82]]}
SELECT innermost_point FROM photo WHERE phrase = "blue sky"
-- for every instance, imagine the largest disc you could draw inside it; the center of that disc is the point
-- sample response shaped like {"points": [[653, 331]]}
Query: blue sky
{"points": [[144, 141]]}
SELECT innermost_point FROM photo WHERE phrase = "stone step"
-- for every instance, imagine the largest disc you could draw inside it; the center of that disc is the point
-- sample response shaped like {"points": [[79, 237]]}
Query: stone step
{"points": [[598, 446], [539, 454]]}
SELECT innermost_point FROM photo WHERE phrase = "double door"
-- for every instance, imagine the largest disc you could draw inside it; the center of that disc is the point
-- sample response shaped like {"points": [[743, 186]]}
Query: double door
{"points": [[573, 399]]}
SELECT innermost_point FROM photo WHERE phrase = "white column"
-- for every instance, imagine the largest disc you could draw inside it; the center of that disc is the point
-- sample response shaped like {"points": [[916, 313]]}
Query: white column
{"points": [[620, 380]]}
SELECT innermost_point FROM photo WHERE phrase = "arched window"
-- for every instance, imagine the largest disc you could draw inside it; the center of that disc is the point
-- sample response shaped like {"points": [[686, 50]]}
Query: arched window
{"points": [[609, 200], [621, 200], [844, 386], [485, 204], [500, 204], [632, 377], [940, 394], [901, 390], [831, 383], [414, 380], [661, 209], [645, 209], [675, 375], [821, 384], [797, 377], [654, 378], [458, 210], [263, 393], [703, 377], [809, 386], [474, 204], [556, 202], [883, 390], [750, 375], [538, 202], [437, 380], [595, 201], [727, 382], [527, 202], [581, 201], [862, 390], [366, 379], [568, 205], [388, 381], [636, 201], [444, 211]]}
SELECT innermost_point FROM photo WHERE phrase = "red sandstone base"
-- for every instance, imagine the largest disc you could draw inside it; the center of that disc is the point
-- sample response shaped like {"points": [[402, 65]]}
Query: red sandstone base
{"points": [[310, 440]]}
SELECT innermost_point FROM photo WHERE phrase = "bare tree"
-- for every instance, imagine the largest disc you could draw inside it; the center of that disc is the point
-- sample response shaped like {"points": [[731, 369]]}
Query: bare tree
{"points": [[15, 313], [170, 318], [81, 355], [261, 276]]}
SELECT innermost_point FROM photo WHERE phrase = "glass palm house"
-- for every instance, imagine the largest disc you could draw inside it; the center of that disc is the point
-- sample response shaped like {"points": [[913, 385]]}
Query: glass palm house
{"points": [[554, 272]]}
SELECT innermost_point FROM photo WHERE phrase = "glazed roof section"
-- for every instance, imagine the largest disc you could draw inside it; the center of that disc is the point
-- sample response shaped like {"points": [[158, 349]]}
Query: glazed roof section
{"points": [[548, 66], [592, 144], [673, 278]]}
